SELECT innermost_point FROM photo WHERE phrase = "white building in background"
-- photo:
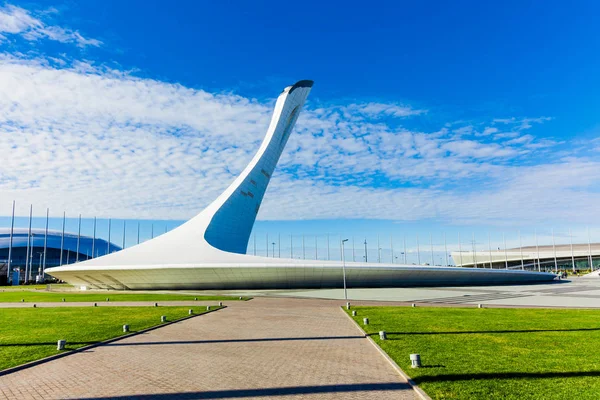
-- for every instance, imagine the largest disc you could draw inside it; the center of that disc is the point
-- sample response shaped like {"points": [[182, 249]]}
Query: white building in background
{"points": [[564, 257], [208, 251]]}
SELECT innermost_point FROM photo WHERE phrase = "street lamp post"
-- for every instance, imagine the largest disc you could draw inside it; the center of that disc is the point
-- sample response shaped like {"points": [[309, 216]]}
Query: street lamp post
{"points": [[344, 269], [366, 254], [273, 249]]}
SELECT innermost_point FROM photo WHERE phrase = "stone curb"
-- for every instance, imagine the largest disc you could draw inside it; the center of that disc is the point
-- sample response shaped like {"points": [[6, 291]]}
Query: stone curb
{"points": [[90, 346], [399, 370]]}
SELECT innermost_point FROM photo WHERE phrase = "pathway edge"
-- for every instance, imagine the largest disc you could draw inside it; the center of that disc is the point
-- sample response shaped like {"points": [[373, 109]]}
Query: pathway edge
{"points": [[420, 392]]}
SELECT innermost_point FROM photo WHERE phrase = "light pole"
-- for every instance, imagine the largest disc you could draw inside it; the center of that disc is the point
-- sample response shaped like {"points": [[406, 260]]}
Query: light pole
{"points": [[366, 257], [273, 249], [344, 269]]}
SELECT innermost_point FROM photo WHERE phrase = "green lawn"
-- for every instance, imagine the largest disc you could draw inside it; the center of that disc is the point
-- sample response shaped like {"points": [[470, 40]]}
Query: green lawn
{"points": [[30, 334], [54, 286], [470, 353], [43, 296]]}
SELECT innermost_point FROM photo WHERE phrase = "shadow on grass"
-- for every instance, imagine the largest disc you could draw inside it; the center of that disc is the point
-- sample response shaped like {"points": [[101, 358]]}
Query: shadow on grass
{"points": [[504, 375], [281, 391], [188, 341], [475, 332], [47, 344]]}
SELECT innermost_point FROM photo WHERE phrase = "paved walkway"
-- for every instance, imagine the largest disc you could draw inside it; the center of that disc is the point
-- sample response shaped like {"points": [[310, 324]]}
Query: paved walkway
{"points": [[575, 293], [263, 349]]}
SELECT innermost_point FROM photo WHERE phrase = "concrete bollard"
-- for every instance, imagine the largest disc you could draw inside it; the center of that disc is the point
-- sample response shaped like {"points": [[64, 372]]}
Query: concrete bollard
{"points": [[365, 321], [125, 328], [107, 299], [22, 300], [63, 300], [34, 306], [240, 297], [220, 304], [479, 305], [415, 360], [95, 304], [347, 306], [195, 298], [354, 313], [155, 304], [190, 311], [61, 345], [207, 308], [163, 318], [382, 335], [413, 305]]}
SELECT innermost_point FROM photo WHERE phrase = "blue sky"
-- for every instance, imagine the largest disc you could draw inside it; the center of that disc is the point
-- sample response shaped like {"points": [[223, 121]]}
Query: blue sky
{"points": [[425, 116]]}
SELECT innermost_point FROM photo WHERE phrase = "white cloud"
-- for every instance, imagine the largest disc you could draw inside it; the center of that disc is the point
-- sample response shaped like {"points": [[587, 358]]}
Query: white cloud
{"points": [[463, 130], [379, 109], [18, 21], [489, 131], [106, 143], [521, 123]]}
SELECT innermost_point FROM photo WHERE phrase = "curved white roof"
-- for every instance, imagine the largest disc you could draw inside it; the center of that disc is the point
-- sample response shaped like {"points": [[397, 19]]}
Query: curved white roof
{"points": [[208, 250]]}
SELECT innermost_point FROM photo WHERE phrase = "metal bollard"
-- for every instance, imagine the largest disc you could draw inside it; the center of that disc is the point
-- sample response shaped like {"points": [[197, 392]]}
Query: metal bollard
{"points": [[347, 306], [155, 304], [354, 313], [190, 311], [382, 335], [415, 360], [125, 328], [163, 318], [61, 345], [365, 321]]}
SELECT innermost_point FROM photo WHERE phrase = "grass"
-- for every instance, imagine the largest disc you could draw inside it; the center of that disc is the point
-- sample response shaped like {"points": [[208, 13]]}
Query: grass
{"points": [[55, 286], [43, 296], [30, 334], [470, 353]]}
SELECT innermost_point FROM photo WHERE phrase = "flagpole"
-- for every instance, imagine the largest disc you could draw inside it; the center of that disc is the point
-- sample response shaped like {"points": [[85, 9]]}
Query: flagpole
{"points": [[27, 258], [62, 238], [45, 243], [108, 245], [10, 243], [78, 240]]}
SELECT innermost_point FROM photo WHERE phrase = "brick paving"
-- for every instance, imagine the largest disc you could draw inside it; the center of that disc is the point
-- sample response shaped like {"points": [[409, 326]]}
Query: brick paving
{"points": [[260, 349]]}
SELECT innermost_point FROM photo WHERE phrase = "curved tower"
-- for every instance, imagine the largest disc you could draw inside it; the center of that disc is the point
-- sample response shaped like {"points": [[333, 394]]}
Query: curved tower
{"points": [[232, 214]]}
